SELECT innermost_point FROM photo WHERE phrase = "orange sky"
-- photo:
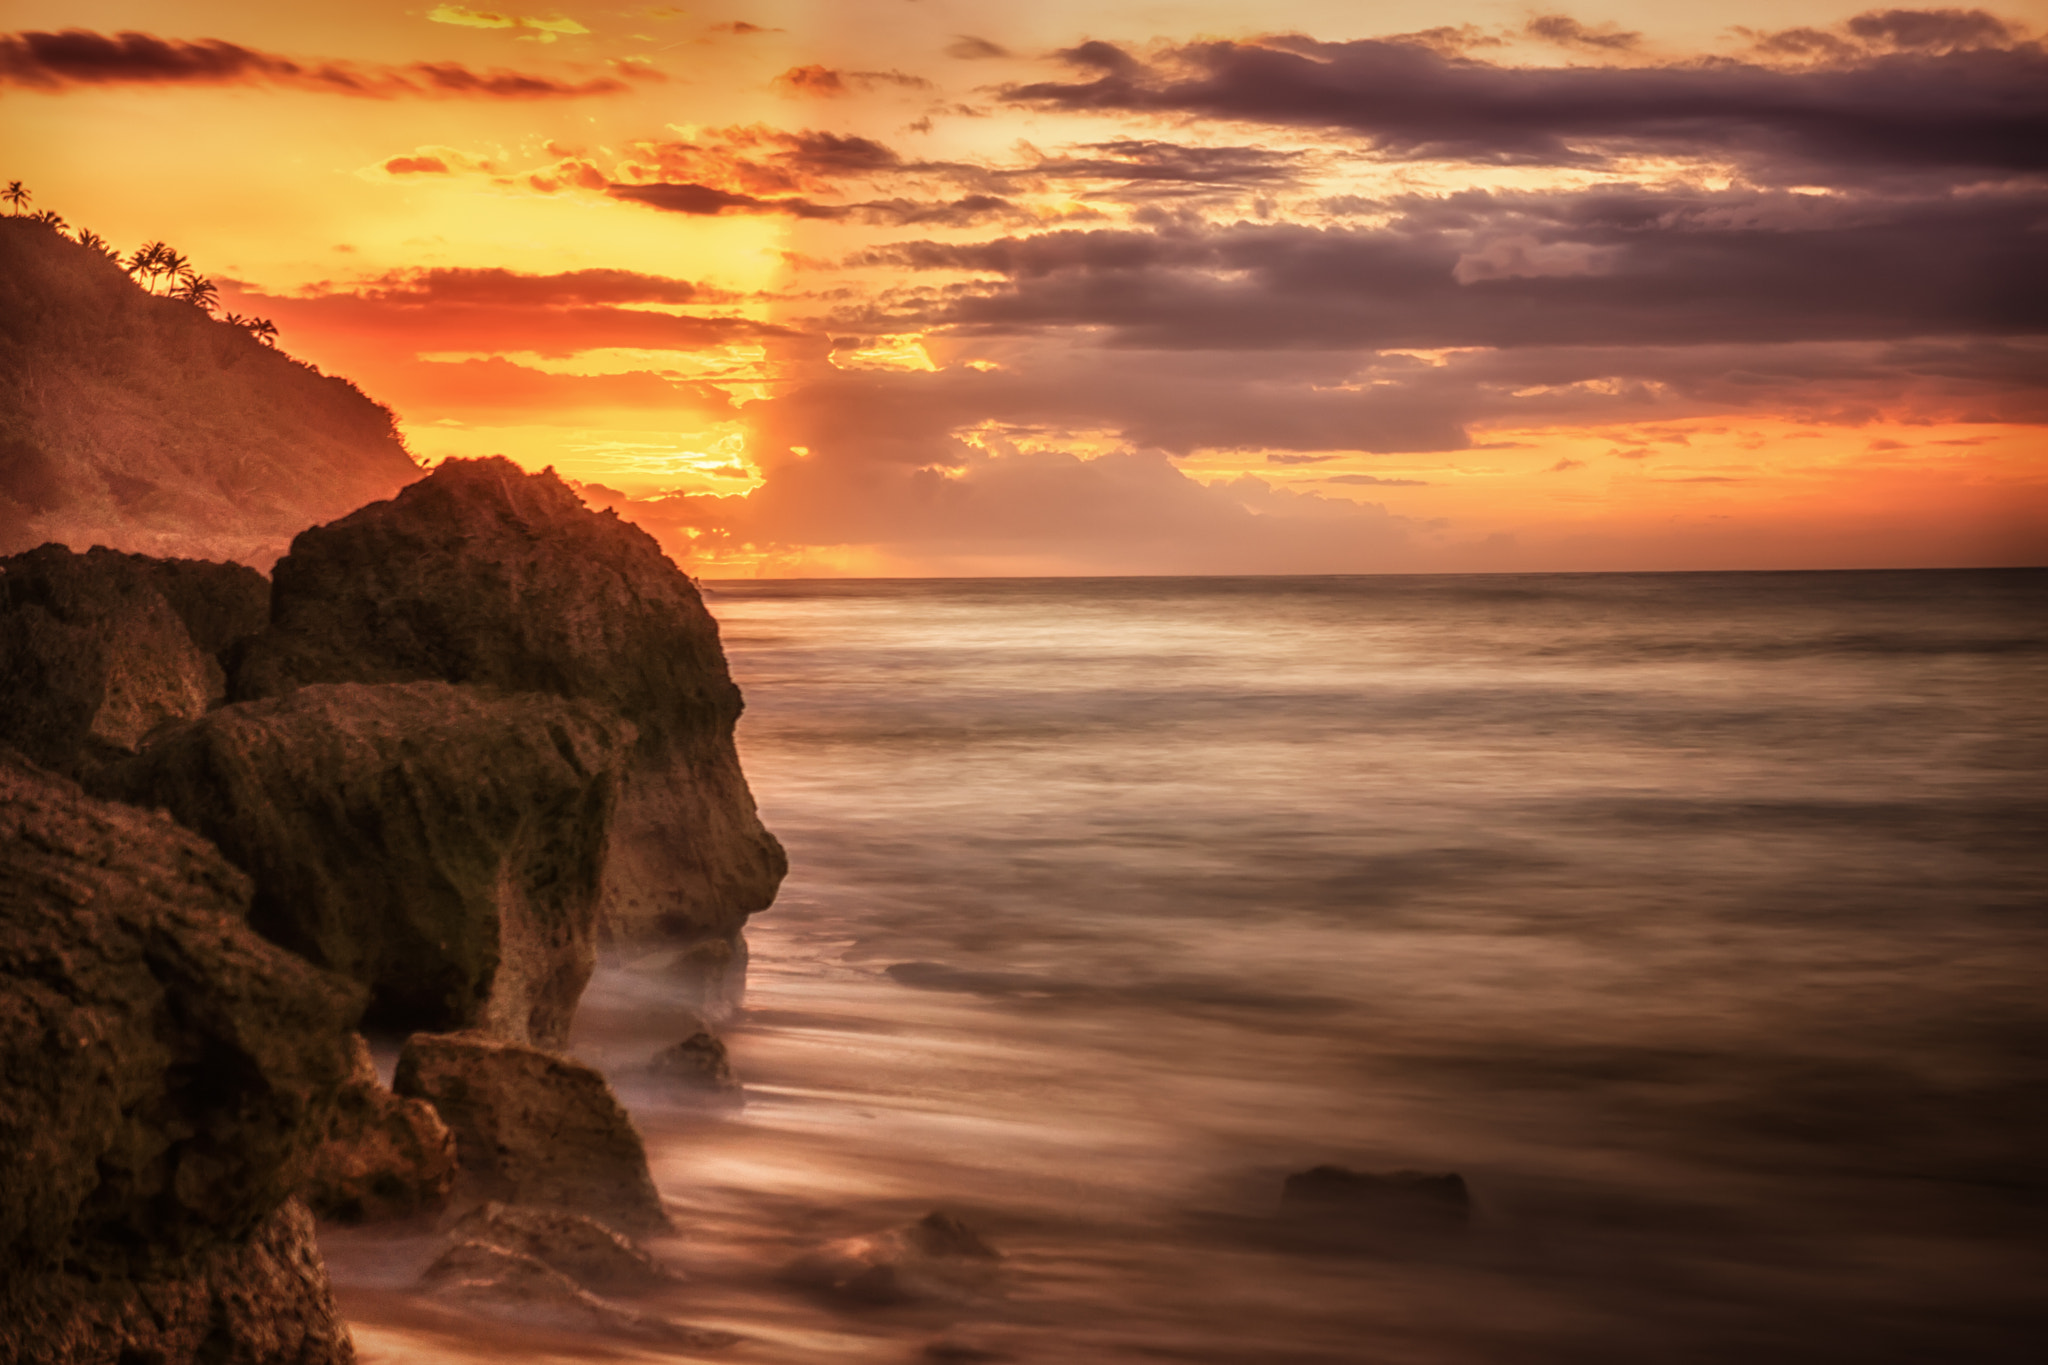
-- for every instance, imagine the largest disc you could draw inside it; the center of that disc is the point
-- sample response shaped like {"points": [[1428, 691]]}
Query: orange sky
{"points": [[925, 286]]}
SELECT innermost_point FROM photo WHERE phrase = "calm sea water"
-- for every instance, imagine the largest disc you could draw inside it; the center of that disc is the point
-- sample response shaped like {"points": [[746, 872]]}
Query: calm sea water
{"points": [[1697, 920]]}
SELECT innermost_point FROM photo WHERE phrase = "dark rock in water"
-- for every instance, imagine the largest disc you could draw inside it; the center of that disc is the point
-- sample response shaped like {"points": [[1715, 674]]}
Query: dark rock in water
{"points": [[937, 1257], [384, 1156], [1332, 1192], [440, 845], [533, 1127], [164, 1076], [512, 1284], [698, 1068], [482, 574], [580, 1247], [92, 657]]}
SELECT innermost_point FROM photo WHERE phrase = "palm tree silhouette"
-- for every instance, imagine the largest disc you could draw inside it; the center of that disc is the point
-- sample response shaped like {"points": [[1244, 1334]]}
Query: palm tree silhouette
{"points": [[197, 290], [92, 241], [17, 195]]}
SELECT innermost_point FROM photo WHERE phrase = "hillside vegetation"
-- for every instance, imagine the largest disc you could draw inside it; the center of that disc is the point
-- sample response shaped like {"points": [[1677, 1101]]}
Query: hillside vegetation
{"points": [[144, 423]]}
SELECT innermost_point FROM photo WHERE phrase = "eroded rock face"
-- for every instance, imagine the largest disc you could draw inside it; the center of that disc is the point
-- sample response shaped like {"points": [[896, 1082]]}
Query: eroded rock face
{"points": [[440, 845], [485, 575], [92, 657], [164, 1074], [697, 1068], [533, 1127], [383, 1156]]}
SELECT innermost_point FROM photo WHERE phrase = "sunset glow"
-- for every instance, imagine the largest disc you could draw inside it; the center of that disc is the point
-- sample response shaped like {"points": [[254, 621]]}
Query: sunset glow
{"points": [[1121, 288]]}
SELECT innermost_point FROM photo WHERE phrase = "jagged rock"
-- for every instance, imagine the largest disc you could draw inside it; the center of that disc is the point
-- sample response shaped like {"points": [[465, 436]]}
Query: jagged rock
{"points": [[440, 845], [509, 1283], [698, 1068], [937, 1257], [384, 1156], [219, 603], [1334, 1194], [533, 1127], [580, 1247], [92, 657], [164, 1074], [263, 1301], [482, 574]]}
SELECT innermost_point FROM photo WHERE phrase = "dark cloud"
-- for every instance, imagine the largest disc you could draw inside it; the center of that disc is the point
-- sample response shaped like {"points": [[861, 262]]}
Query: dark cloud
{"points": [[741, 28], [1566, 31], [971, 49], [442, 285], [78, 57], [1617, 265], [416, 165], [1980, 107], [704, 201], [496, 389], [825, 82]]}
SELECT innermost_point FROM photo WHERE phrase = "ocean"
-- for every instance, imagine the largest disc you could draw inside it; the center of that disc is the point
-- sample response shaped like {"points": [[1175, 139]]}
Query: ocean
{"points": [[1696, 920]]}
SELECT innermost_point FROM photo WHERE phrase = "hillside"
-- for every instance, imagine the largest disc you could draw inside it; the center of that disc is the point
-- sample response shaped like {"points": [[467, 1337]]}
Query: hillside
{"points": [[141, 423]]}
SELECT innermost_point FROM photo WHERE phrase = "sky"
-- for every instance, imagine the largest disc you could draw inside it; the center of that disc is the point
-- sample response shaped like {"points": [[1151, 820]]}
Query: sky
{"points": [[881, 287]]}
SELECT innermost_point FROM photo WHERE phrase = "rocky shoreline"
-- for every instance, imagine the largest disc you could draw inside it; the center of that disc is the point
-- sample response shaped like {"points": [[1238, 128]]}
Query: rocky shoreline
{"points": [[461, 742]]}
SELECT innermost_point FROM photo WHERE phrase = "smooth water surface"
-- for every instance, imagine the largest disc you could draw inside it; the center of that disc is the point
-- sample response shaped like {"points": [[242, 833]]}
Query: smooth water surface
{"points": [[1696, 920]]}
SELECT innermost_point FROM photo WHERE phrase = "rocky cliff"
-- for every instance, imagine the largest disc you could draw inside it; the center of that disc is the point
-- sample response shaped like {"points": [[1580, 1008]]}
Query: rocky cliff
{"points": [[142, 423], [164, 1074], [483, 575]]}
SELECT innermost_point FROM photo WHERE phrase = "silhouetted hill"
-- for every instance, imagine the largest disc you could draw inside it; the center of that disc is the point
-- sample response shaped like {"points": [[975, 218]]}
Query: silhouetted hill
{"points": [[141, 423]]}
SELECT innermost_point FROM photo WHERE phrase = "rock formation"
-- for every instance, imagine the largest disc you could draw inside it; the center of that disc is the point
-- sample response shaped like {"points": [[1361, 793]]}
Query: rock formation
{"points": [[92, 658], [533, 1127], [580, 1247], [697, 1068], [438, 844], [142, 423], [504, 1282], [937, 1257], [383, 1156], [164, 1074], [480, 574]]}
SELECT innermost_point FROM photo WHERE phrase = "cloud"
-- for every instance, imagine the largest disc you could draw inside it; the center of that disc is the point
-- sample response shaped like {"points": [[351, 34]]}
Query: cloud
{"points": [[416, 165], [77, 57], [1374, 480], [704, 201], [497, 390], [444, 285], [1982, 107], [1612, 265], [1565, 466], [740, 28], [972, 49], [1568, 32], [823, 82], [534, 30]]}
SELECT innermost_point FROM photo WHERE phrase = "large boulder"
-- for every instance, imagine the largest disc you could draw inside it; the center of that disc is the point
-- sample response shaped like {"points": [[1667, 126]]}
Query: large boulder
{"points": [[164, 1075], [485, 575], [438, 844], [383, 1157], [93, 657], [533, 1127]]}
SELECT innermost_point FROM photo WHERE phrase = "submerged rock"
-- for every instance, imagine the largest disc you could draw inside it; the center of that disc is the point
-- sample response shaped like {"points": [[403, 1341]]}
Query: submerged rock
{"points": [[698, 1068], [482, 574], [533, 1127], [580, 1247], [384, 1156], [92, 657], [442, 846], [1336, 1195], [164, 1076], [937, 1257], [513, 1284]]}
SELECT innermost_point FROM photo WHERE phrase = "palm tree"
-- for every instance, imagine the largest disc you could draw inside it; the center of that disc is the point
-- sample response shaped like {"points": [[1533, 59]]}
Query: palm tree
{"points": [[17, 195], [148, 262], [49, 218], [92, 241], [265, 331], [196, 290]]}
